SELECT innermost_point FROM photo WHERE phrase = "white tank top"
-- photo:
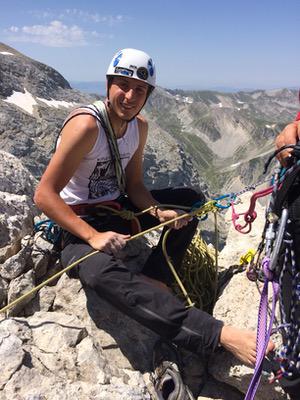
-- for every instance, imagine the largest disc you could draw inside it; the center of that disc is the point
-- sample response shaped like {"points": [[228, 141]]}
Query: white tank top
{"points": [[95, 179]]}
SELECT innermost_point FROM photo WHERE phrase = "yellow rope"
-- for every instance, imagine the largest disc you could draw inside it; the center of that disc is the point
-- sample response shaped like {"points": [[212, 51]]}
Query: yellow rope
{"points": [[199, 212], [217, 239], [198, 274], [57, 275], [173, 270]]}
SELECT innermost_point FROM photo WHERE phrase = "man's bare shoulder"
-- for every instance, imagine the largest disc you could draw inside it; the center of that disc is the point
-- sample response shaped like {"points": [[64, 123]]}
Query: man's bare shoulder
{"points": [[142, 120], [86, 121], [80, 132], [143, 124], [80, 124]]}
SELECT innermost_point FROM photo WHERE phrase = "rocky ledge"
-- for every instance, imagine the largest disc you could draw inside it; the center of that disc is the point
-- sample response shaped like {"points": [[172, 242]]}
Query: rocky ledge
{"points": [[66, 343]]}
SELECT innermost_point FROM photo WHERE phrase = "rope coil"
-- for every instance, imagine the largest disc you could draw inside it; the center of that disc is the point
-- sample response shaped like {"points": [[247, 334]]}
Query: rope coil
{"points": [[198, 274]]}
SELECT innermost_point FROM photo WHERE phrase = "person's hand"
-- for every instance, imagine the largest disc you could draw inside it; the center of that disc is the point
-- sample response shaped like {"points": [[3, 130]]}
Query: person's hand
{"points": [[110, 242], [167, 215], [289, 135]]}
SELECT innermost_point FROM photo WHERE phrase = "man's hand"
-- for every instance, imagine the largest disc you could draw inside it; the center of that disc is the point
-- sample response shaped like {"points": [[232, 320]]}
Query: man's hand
{"points": [[110, 242], [289, 135], [167, 215]]}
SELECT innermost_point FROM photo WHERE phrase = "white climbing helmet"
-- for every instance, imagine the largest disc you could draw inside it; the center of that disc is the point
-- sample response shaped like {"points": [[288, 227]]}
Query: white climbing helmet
{"points": [[133, 63]]}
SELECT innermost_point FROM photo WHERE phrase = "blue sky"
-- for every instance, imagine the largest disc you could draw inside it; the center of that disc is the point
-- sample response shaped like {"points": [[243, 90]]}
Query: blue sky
{"points": [[194, 43]]}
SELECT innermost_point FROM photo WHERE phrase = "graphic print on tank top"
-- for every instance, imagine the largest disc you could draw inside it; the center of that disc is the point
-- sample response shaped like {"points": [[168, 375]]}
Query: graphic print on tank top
{"points": [[103, 180]]}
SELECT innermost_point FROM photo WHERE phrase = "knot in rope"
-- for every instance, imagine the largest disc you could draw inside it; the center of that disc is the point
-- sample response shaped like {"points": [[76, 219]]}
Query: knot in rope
{"points": [[126, 214]]}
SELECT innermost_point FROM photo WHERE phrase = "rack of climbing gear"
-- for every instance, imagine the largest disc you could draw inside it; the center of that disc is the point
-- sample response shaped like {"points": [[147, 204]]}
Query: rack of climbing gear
{"points": [[276, 238]]}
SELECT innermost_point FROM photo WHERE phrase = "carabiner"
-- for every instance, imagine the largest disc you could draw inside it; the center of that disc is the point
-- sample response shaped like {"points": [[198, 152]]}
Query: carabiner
{"points": [[279, 238], [230, 198]]}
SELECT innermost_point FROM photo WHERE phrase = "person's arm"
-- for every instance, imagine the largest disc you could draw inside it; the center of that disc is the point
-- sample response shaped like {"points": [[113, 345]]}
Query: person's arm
{"points": [[289, 135], [136, 190], [78, 138]]}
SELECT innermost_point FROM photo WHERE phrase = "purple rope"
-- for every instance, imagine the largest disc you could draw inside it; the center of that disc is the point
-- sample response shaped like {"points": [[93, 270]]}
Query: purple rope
{"points": [[263, 333]]}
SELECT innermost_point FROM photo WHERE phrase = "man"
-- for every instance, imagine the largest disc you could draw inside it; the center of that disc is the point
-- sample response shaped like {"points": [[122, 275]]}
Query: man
{"points": [[82, 173]]}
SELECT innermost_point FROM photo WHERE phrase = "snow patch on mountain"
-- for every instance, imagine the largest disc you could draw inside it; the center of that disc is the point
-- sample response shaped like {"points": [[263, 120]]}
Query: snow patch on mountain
{"points": [[23, 100]]}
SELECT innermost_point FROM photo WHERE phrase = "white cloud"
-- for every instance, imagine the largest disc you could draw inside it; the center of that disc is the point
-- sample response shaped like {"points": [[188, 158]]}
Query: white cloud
{"points": [[55, 34], [75, 14]]}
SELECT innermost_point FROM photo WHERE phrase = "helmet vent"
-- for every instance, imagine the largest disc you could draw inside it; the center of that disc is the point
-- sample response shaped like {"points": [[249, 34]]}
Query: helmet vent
{"points": [[124, 71]]}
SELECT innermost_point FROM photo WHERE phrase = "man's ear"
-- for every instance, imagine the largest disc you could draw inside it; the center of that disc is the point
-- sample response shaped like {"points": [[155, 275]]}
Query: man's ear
{"points": [[109, 81]]}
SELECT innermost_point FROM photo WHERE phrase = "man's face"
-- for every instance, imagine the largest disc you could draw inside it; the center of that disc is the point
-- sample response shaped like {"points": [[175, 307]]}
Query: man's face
{"points": [[127, 96]]}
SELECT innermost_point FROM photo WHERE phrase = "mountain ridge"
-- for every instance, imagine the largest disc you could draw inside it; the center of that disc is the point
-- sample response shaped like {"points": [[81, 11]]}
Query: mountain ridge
{"points": [[204, 139]]}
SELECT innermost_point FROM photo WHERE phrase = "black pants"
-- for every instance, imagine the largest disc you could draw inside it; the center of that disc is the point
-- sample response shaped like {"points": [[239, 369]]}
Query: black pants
{"points": [[129, 292]]}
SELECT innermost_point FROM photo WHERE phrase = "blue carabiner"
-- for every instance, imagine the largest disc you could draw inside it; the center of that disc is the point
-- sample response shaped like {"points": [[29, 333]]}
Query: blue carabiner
{"points": [[38, 224], [230, 196]]}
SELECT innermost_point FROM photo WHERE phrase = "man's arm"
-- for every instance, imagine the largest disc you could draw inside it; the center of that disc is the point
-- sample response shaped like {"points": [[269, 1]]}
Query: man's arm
{"points": [[78, 138], [289, 135], [136, 190]]}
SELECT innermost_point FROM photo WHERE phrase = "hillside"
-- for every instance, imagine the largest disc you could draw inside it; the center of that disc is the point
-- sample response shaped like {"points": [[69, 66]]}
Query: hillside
{"points": [[228, 135]]}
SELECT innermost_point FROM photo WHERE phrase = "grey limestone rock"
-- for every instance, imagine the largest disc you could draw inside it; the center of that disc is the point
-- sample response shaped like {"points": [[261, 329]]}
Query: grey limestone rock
{"points": [[3, 290], [19, 286], [14, 177], [11, 356], [15, 265]]}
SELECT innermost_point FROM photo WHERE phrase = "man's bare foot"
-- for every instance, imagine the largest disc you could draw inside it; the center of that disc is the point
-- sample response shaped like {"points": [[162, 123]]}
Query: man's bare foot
{"points": [[241, 343]]}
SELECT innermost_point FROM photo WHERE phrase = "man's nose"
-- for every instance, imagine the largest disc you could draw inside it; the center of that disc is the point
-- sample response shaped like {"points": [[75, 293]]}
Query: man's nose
{"points": [[130, 94]]}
